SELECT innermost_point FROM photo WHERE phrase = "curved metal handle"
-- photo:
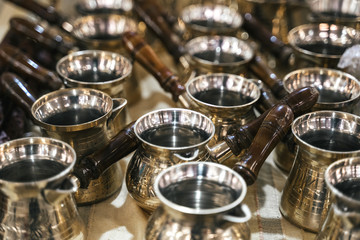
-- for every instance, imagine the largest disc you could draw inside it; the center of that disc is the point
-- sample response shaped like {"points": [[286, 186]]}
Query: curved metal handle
{"points": [[244, 212], [273, 128], [193, 156], [55, 194], [145, 55], [118, 105]]}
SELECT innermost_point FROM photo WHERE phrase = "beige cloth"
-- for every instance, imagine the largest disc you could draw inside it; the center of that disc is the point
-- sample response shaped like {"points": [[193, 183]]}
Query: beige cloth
{"points": [[119, 218]]}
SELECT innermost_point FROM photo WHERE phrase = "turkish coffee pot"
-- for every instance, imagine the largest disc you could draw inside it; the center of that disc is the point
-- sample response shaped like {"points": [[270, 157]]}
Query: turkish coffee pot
{"points": [[36, 190], [338, 91], [83, 117]]}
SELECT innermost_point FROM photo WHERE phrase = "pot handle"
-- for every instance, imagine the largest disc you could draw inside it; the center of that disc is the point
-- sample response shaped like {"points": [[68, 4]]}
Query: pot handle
{"points": [[145, 55], [56, 192], [47, 13], [19, 62], [118, 105], [243, 214], [272, 129], [300, 101], [17, 89], [193, 156], [54, 42], [92, 166]]}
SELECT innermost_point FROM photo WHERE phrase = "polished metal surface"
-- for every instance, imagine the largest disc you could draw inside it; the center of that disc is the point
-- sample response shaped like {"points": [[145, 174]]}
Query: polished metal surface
{"points": [[85, 137], [101, 6], [103, 31], [195, 204], [102, 70], [346, 12], [224, 117], [210, 19], [317, 36], [338, 91], [305, 200], [42, 208], [151, 158], [212, 54], [343, 219]]}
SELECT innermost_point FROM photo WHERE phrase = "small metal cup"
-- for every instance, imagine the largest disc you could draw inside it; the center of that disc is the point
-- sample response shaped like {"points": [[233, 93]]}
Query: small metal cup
{"points": [[199, 200], [337, 91], [342, 181], [321, 45], [84, 118], [322, 138], [101, 70], [36, 190], [210, 19], [215, 54], [227, 99]]}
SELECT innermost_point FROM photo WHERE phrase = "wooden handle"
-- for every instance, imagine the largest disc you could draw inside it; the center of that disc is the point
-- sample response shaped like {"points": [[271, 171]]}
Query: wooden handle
{"points": [[24, 66], [14, 87], [53, 42], [260, 69], [273, 128], [92, 166], [48, 13], [152, 14], [300, 101], [270, 42], [145, 55]]}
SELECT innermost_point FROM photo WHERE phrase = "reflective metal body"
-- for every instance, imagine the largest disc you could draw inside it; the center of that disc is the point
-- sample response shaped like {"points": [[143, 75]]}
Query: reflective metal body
{"points": [[321, 45], [338, 91], [209, 19], [100, 6], [150, 159], [279, 16], [102, 70], [216, 54], [224, 116], [345, 12], [104, 32], [199, 212], [343, 219], [42, 208], [85, 137], [305, 199]]}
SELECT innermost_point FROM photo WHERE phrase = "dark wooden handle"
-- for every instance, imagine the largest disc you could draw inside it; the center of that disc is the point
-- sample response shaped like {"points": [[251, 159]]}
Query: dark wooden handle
{"points": [[24, 66], [273, 128], [47, 13], [92, 166], [261, 70], [270, 42], [152, 14], [53, 42], [14, 87], [300, 101], [145, 55]]}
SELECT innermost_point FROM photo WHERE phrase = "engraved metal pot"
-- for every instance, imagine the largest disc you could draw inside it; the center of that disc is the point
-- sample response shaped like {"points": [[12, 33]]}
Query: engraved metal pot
{"points": [[209, 19], [343, 220], [321, 45], [338, 91], [216, 54], [102, 70], [36, 190], [168, 137], [322, 138], [84, 118], [227, 99], [199, 200]]}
